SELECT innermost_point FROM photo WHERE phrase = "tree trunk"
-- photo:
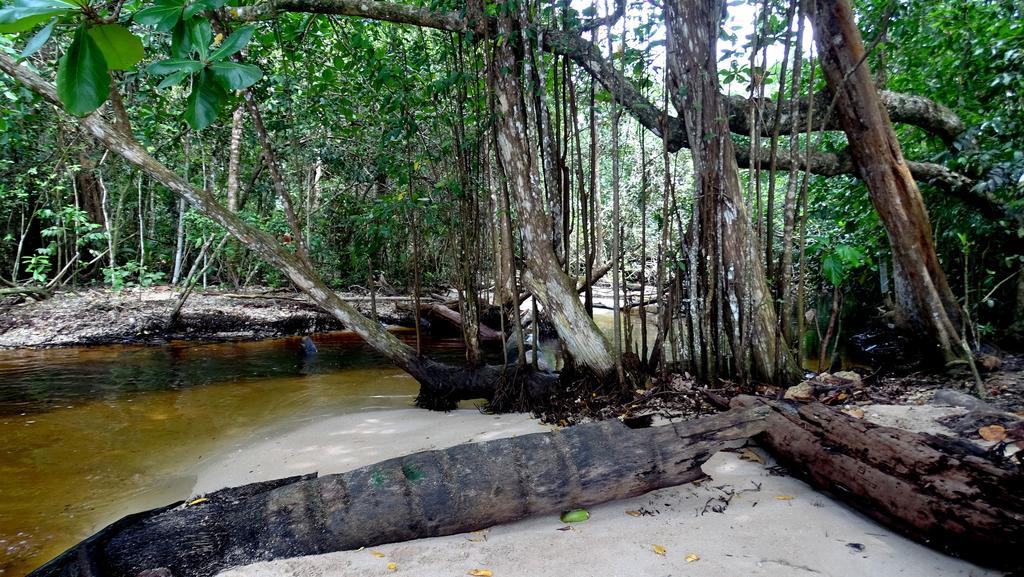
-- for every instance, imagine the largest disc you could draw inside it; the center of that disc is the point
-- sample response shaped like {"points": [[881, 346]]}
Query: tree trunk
{"points": [[544, 275], [234, 157], [426, 494], [937, 491], [925, 303], [731, 293]]}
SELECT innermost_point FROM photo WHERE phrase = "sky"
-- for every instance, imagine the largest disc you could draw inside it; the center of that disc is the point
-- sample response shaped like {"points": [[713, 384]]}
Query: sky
{"points": [[739, 21]]}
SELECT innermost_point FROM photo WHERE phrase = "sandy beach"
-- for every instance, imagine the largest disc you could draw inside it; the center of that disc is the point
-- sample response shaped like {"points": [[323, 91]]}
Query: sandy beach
{"points": [[745, 519]]}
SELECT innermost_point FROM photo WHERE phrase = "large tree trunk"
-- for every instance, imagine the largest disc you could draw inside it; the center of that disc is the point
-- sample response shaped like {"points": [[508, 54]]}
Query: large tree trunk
{"points": [[925, 303], [519, 160], [731, 294], [425, 494], [935, 490]]}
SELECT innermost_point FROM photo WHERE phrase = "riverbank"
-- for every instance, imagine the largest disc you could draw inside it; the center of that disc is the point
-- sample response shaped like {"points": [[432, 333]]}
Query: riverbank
{"points": [[141, 316], [747, 518]]}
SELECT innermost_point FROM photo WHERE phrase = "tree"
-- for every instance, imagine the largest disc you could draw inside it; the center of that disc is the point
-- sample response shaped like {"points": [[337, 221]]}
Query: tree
{"points": [[924, 299], [731, 316]]}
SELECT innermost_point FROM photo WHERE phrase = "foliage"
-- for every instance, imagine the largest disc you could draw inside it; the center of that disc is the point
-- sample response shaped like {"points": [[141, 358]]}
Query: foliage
{"points": [[373, 109]]}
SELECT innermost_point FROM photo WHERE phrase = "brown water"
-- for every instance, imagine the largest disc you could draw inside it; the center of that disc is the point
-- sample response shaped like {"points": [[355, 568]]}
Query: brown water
{"points": [[89, 435]]}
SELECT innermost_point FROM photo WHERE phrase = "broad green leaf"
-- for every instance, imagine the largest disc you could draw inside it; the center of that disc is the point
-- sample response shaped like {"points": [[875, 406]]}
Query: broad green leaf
{"points": [[235, 76], [27, 14], [181, 45], [161, 17], [238, 39], [200, 34], [120, 48], [204, 102], [172, 65], [173, 80], [832, 268], [852, 256], [46, 4], [83, 82], [201, 5], [38, 39]]}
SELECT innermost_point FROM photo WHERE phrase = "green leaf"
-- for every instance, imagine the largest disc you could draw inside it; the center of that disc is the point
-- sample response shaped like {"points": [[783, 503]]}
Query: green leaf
{"points": [[27, 14], [200, 34], [121, 49], [38, 40], [238, 39], [851, 255], [172, 65], [201, 5], [83, 83], [832, 268], [204, 102], [173, 80], [235, 76], [181, 44], [161, 17]]}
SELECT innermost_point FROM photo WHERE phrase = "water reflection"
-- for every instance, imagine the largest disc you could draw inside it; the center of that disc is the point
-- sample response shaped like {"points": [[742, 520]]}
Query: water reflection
{"points": [[92, 434]]}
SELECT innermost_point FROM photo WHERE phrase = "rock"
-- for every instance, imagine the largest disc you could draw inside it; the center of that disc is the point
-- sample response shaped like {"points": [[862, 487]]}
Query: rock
{"points": [[802, 392], [853, 378], [954, 398], [158, 572]]}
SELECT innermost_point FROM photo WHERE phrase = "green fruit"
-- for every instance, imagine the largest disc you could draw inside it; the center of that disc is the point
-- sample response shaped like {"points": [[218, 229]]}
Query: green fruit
{"points": [[575, 516]]}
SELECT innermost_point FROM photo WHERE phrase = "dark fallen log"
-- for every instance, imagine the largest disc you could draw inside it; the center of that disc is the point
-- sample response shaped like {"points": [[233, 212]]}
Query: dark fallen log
{"points": [[464, 488], [938, 491]]}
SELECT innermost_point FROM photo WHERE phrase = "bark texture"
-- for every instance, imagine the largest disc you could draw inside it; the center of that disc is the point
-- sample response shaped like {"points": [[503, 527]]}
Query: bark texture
{"points": [[520, 163], [925, 303], [425, 494], [937, 491], [731, 312]]}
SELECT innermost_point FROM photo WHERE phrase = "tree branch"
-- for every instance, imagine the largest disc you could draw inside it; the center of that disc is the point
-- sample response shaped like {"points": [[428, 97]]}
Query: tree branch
{"points": [[903, 108], [918, 111]]}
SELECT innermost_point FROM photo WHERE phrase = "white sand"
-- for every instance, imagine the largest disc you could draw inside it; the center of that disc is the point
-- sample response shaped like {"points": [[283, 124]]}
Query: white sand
{"points": [[757, 534]]}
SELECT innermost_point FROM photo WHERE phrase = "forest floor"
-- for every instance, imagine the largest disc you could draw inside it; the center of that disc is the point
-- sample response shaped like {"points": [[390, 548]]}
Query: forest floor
{"points": [[680, 397], [141, 315]]}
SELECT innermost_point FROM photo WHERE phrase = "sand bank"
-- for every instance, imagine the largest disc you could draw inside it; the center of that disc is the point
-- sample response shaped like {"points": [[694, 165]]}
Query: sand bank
{"points": [[746, 519]]}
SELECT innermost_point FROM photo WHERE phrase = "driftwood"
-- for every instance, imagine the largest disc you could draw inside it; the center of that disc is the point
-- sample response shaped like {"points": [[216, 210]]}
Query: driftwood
{"points": [[35, 292], [464, 488], [441, 311], [257, 296], [938, 491]]}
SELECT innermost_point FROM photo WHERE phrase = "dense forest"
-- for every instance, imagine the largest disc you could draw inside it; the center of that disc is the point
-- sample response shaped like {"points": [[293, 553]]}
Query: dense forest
{"points": [[765, 190], [762, 192]]}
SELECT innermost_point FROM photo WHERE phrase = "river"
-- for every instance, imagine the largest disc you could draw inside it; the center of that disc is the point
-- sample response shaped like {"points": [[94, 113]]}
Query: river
{"points": [[91, 434]]}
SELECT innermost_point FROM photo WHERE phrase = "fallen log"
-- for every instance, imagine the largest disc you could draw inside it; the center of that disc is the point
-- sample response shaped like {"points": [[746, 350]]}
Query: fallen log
{"points": [[463, 488], [34, 292], [938, 491], [439, 310]]}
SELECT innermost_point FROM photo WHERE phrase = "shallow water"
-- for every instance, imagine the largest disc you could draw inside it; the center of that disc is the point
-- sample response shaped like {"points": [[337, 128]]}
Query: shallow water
{"points": [[88, 435], [91, 434]]}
